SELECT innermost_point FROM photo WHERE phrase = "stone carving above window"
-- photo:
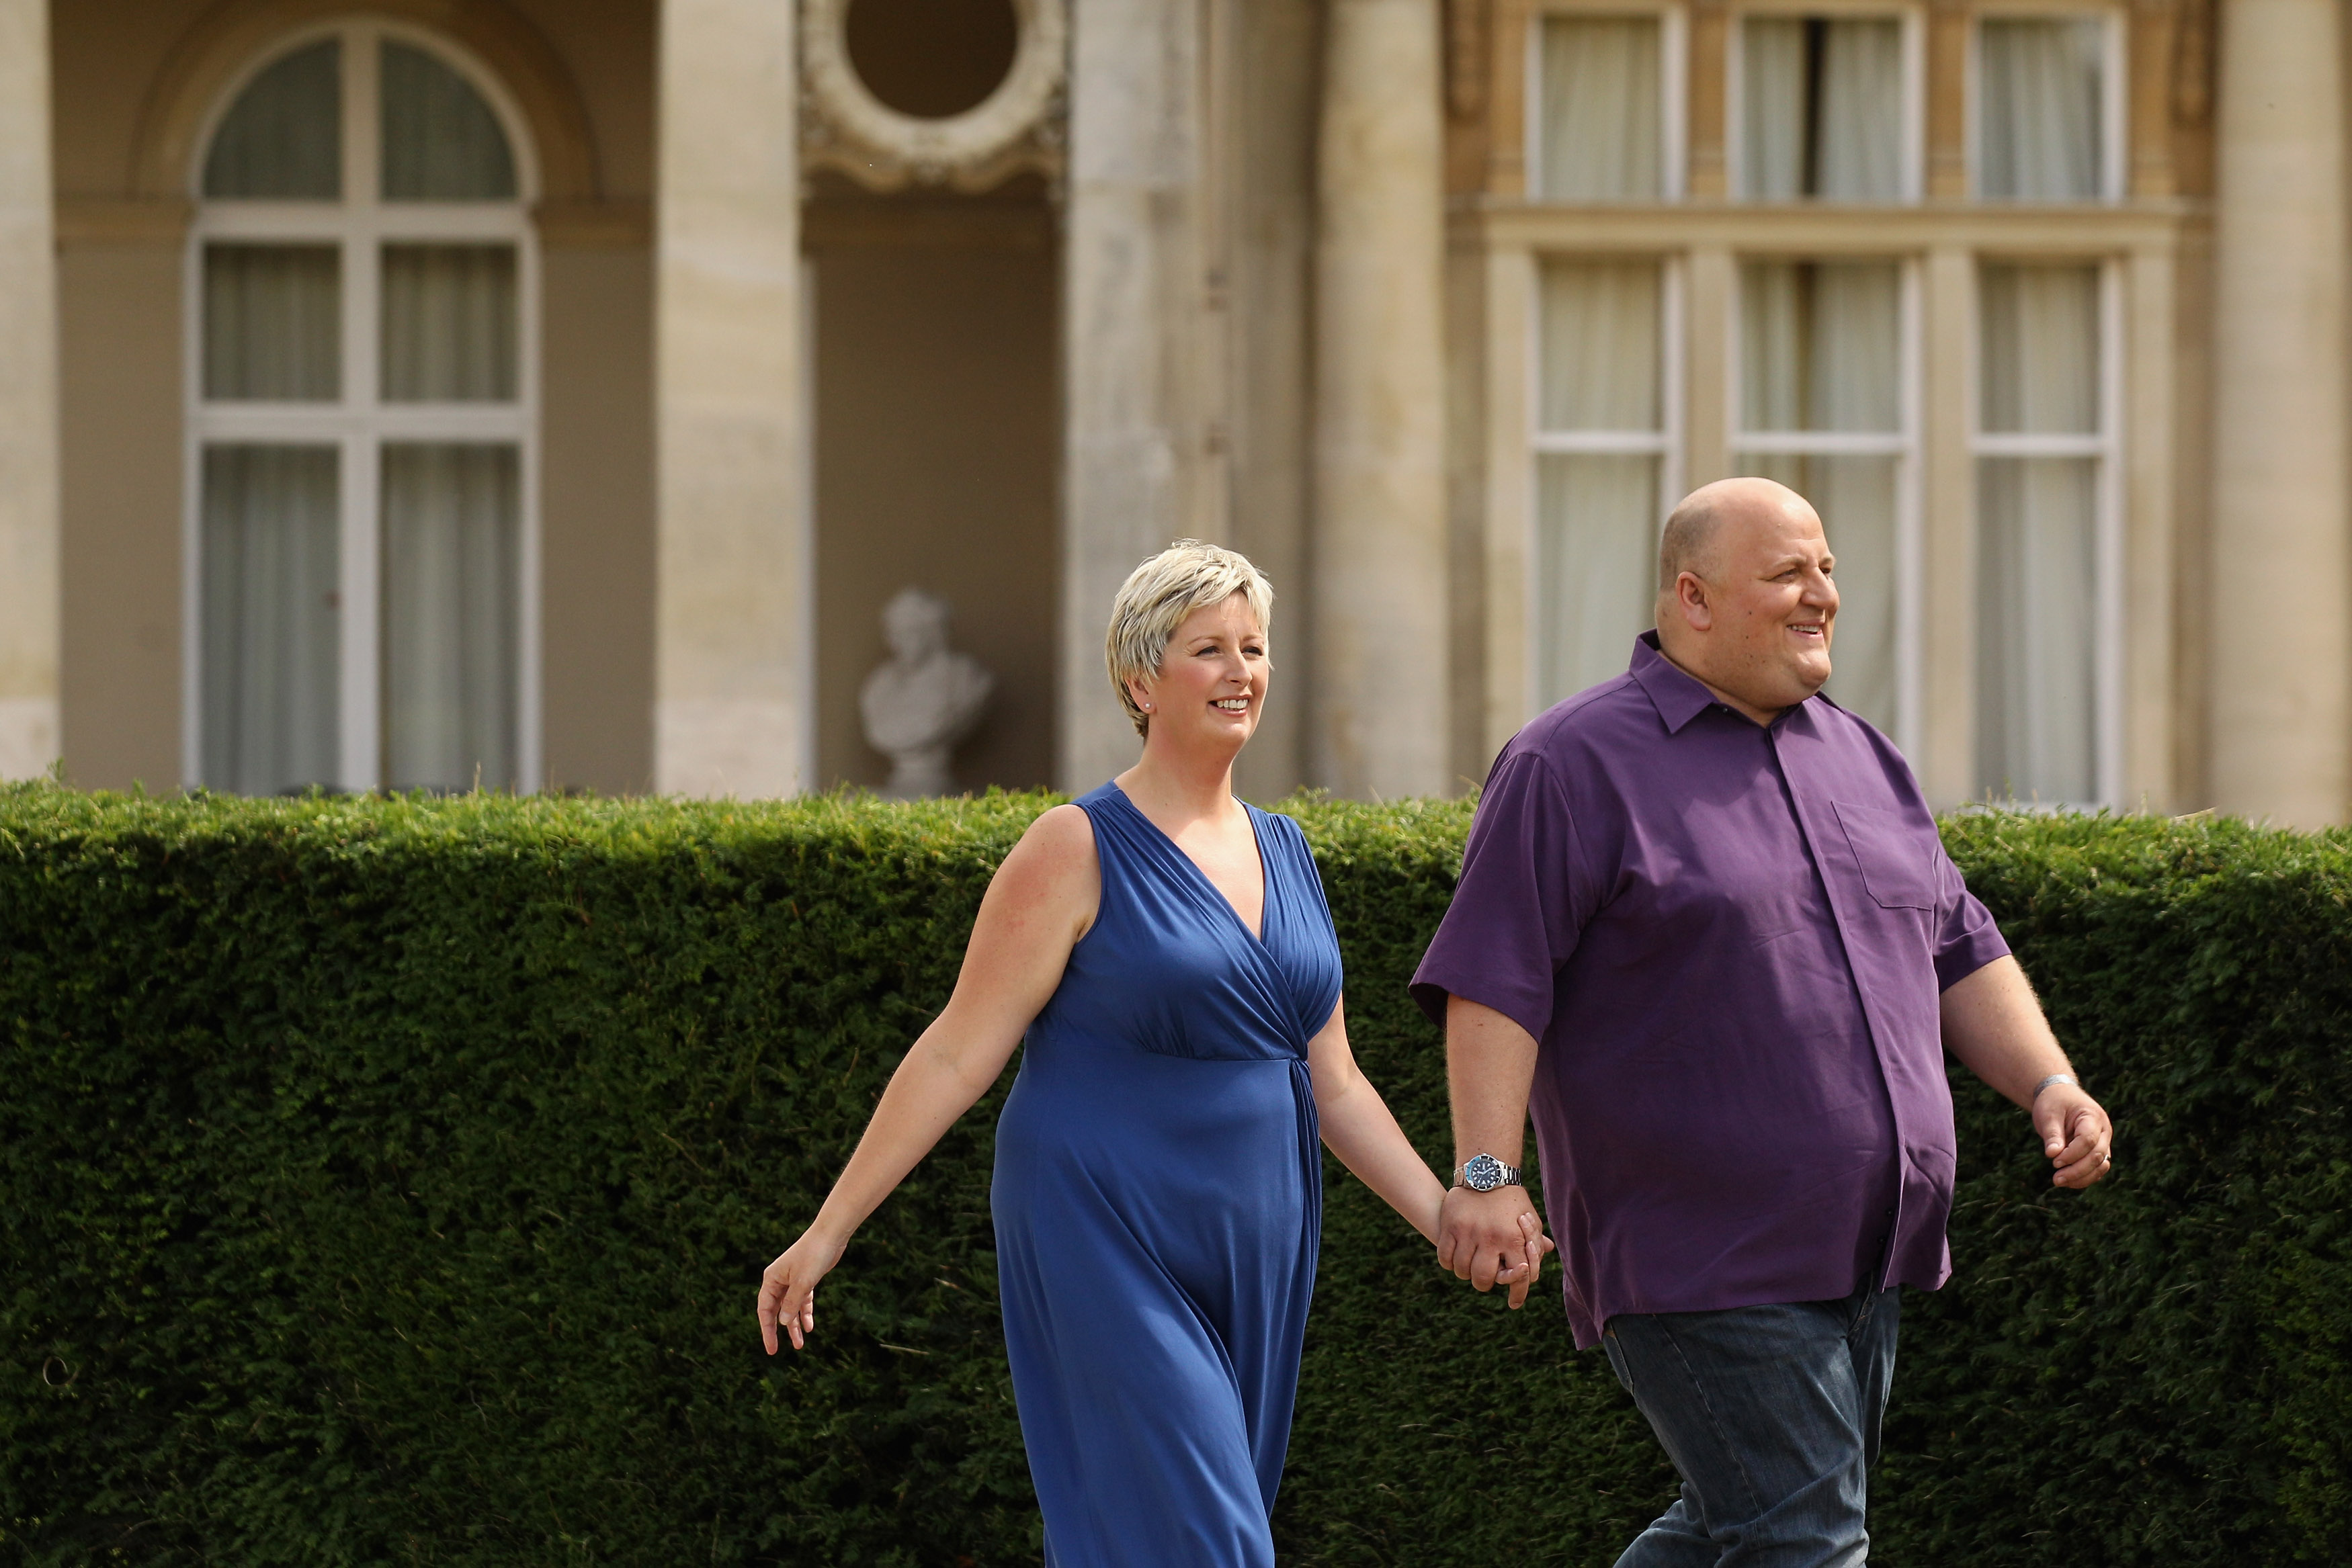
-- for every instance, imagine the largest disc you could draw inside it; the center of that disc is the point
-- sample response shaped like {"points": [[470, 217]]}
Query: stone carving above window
{"points": [[851, 124]]}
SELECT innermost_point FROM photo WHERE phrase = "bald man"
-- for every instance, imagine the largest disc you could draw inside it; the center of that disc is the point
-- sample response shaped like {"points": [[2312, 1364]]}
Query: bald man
{"points": [[1706, 931]]}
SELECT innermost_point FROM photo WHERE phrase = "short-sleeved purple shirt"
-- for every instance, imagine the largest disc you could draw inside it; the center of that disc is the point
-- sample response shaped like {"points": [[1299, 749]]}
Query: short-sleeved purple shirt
{"points": [[1729, 941]]}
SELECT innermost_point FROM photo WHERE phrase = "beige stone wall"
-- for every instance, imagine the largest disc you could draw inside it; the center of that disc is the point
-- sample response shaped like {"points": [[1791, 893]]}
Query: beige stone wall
{"points": [[132, 79], [937, 446]]}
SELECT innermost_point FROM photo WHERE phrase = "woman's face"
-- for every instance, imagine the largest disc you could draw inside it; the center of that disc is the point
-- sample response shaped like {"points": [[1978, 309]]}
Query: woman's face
{"points": [[1212, 680]]}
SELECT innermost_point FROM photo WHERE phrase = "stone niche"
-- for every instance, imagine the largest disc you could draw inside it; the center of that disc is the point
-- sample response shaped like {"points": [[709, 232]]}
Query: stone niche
{"points": [[932, 137]]}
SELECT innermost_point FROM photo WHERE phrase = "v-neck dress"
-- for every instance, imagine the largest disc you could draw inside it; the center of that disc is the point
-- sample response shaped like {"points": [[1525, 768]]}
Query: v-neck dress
{"points": [[1158, 1203]]}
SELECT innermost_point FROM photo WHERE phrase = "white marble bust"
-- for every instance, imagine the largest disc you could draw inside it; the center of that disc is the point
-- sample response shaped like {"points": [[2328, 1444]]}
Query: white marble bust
{"points": [[923, 699]]}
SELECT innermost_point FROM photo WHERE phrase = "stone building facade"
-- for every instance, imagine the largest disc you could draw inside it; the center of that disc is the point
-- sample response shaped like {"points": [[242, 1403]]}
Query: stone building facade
{"points": [[549, 393]]}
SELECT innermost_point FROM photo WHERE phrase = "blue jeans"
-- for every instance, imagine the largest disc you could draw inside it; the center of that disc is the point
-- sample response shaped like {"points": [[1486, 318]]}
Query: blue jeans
{"points": [[1770, 1414]]}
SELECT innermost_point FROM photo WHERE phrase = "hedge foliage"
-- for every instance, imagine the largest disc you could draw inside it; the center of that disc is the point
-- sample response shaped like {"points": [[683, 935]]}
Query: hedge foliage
{"points": [[387, 1181]]}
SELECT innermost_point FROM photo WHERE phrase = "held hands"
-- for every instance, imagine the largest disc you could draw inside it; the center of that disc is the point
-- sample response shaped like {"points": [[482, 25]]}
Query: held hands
{"points": [[2075, 1134], [1492, 1239], [788, 1287]]}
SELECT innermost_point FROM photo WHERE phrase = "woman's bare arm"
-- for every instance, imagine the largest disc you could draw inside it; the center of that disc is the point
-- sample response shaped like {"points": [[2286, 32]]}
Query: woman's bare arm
{"points": [[1037, 906], [1360, 1128]]}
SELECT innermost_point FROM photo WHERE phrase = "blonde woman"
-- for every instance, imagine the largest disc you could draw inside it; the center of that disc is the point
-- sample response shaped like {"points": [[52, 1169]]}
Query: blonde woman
{"points": [[1165, 953]]}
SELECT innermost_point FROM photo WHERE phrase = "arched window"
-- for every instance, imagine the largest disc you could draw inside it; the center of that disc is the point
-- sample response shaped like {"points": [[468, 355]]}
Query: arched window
{"points": [[361, 551]]}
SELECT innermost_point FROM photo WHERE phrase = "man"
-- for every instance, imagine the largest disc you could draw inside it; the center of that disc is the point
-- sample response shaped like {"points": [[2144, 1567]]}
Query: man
{"points": [[1705, 923]]}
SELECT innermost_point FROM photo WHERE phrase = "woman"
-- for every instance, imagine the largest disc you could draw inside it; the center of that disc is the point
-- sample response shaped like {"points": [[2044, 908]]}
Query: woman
{"points": [[1168, 956]]}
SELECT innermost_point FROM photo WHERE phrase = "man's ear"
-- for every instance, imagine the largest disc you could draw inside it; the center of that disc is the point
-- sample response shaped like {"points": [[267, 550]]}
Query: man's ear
{"points": [[1691, 599]]}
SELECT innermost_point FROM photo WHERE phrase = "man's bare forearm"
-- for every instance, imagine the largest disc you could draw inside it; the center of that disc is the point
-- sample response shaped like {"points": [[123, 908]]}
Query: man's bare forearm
{"points": [[1490, 1065], [1992, 1023]]}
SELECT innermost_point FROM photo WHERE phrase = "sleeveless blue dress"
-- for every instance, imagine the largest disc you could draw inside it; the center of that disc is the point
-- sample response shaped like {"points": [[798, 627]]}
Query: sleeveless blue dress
{"points": [[1159, 1204]]}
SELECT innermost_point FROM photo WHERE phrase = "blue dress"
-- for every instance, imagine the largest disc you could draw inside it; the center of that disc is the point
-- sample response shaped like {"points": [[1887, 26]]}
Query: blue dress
{"points": [[1159, 1202]]}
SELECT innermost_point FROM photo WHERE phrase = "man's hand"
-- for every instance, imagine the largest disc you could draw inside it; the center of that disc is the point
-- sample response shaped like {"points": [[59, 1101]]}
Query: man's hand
{"points": [[2075, 1134], [1492, 1239]]}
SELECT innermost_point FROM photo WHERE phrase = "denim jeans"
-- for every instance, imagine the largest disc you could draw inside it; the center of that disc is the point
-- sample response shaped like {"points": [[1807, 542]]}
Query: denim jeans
{"points": [[1771, 1415]]}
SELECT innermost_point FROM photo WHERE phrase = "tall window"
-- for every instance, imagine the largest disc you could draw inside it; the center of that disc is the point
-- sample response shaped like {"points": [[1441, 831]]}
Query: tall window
{"points": [[359, 546], [1601, 451], [2043, 452], [1822, 409], [1822, 112], [2042, 110], [1606, 127]]}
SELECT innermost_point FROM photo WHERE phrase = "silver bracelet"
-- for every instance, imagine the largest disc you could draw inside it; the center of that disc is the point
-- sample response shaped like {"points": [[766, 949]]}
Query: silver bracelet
{"points": [[2053, 1078]]}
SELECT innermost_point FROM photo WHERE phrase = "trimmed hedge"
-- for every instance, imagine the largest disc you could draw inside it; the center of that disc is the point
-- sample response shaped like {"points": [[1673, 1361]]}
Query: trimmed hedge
{"points": [[387, 1181]]}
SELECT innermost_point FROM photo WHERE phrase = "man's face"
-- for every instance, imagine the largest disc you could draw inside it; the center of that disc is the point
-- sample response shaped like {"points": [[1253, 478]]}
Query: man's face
{"points": [[1766, 604]]}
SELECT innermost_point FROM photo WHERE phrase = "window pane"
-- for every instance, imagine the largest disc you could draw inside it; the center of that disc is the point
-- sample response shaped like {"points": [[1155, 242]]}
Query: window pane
{"points": [[2038, 103], [452, 578], [448, 323], [283, 139], [271, 625], [273, 322], [2036, 614], [2040, 362], [1821, 345], [1823, 110], [441, 142], [1857, 499], [1603, 127], [1601, 324], [1596, 566]]}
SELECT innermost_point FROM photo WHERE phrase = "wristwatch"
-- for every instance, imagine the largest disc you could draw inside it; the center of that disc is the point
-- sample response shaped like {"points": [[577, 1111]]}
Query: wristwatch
{"points": [[1484, 1173]]}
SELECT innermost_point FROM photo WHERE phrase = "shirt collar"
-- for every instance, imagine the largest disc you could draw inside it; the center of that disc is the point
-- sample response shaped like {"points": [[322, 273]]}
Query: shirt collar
{"points": [[1677, 697]]}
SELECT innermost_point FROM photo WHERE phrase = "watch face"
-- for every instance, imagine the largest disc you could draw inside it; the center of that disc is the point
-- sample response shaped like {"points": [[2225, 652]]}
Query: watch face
{"points": [[1483, 1172]]}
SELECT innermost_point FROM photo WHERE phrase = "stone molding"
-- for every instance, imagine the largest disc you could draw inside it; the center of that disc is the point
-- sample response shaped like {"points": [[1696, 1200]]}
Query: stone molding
{"points": [[222, 44], [1019, 127]]}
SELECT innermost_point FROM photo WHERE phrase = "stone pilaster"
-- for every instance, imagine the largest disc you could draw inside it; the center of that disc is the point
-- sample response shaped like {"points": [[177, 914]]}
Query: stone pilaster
{"points": [[733, 637], [1134, 290], [2281, 706], [1379, 669], [29, 400]]}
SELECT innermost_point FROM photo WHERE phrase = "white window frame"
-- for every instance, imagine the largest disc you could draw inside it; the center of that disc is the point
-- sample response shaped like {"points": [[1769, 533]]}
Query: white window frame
{"points": [[2115, 95], [2106, 446], [1674, 90], [1915, 90], [1901, 444], [1665, 443], [358, 424]]}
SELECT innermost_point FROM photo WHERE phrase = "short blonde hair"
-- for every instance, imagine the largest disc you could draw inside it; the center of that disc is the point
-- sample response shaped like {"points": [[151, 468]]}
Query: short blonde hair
{"points": [[1156, 598]]}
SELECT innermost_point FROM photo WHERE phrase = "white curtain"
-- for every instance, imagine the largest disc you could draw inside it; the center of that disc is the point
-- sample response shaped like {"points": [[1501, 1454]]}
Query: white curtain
{"points": [[1821, 349], [283, 138], [441, 142], [273, 323], [1597, 513], [2040, 137], [2037, 593], [450, 313], [269, 574], [1822, 111], [452, 574], [1603, 117]]}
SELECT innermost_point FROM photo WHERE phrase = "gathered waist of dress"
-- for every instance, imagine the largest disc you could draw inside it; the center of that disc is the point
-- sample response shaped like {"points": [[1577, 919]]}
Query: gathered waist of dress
{"points": [[1043, 1043]]}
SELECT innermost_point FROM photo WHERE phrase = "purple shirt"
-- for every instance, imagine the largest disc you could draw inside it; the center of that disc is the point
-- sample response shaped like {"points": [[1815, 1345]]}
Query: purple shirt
{"points": [[1728, 942]]}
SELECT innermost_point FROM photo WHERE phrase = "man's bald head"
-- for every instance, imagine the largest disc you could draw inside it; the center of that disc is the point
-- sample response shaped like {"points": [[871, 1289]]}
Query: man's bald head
{"points": [[1692, 529]]}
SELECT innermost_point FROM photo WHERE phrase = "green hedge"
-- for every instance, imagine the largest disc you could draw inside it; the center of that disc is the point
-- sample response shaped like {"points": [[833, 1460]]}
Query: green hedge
{"points": [[387, 1181]]}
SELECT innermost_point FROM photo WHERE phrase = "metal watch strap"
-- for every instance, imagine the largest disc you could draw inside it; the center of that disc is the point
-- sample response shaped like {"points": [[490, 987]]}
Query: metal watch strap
{"points": [[1492, 1173], [2066, 1078]]}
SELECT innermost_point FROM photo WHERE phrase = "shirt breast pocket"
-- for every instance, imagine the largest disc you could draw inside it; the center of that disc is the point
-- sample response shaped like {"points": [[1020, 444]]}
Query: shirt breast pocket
{"points": [[1898, 865]]}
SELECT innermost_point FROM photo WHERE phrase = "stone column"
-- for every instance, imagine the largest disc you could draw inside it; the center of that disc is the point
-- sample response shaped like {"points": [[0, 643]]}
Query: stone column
{"points": [[733, 650], [2281, 714], [28, 398], [1132, 303], [1378, 674]]}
